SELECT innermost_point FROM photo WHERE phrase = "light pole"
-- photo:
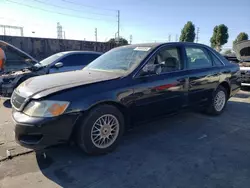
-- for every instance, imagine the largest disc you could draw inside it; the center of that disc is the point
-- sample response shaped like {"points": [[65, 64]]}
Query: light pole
{"points": [[117, 39]]}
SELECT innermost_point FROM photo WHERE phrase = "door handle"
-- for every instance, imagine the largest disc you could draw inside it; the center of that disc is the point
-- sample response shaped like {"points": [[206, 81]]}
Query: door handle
{"points": [[214, 74], [181, 80], [192, 83]]}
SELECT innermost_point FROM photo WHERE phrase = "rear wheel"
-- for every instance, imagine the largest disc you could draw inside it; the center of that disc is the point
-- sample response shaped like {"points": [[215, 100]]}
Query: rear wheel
{"points": [[219, 101], [101, 130]]}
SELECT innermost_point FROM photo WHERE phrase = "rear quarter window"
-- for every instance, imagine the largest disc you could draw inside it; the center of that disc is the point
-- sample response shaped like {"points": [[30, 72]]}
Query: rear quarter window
{"points": [[216, 60]]}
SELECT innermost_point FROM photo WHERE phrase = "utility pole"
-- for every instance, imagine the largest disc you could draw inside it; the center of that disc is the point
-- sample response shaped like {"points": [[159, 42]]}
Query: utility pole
{"points": [[59, 31], [169, 38], [4, 30], [64, 35], [197, 34], [176, 38], [130, 39], [21, 29], [118, 32], [96, 34]]}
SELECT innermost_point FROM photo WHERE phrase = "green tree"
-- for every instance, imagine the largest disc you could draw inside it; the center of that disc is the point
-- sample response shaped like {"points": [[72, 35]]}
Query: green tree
{"points": [[188, 32], [122, 41], [220, 37], [242, 36]]}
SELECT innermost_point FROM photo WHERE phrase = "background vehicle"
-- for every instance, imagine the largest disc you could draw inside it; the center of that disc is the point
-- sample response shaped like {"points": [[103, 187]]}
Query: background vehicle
{"points": [[21, 66], [242, 50], [125, 85], [67, 61], [232, 58]]}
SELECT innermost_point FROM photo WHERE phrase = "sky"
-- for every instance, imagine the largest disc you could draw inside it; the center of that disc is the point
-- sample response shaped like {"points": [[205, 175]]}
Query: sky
{"points": [[145, 20]]}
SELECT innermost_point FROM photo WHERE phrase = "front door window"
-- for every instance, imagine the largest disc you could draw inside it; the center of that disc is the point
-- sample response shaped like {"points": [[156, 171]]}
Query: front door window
{"points": [[165, 60]]}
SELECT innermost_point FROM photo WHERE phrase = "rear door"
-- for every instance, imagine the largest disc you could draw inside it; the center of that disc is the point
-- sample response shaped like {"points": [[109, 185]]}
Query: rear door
{"points": [[164, 91], [74, 62], [203, 74]]}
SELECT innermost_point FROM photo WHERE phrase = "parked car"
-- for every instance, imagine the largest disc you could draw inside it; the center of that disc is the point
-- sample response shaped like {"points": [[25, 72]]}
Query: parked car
{"points": [[232, 58], [67, 61], [125, 85], [242, 50], [20, 66]]}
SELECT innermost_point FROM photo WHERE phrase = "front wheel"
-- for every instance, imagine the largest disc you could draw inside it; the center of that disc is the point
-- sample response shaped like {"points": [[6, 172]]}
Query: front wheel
{"points": [[101, 130], [219, 101]]}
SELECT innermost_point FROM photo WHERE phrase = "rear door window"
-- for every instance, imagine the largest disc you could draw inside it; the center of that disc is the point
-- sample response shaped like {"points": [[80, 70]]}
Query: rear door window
{"points": [[198, 58]]}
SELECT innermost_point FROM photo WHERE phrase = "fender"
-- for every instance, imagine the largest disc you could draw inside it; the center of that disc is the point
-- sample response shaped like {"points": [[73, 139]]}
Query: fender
{"points": [[122, 100], [22, 78]]}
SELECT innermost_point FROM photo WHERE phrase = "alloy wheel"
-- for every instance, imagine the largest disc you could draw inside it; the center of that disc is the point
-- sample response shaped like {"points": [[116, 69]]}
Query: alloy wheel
{"points": [[219, 101], [105, 131]]}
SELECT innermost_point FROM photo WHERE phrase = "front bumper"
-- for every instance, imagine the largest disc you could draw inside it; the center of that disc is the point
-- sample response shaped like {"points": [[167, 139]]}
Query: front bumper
{"points": [[39, 133]]}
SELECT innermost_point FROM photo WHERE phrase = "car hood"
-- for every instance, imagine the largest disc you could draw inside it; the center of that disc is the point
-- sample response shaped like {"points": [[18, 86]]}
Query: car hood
{"points": [[242, 50], [41, 86], [10, 49]]}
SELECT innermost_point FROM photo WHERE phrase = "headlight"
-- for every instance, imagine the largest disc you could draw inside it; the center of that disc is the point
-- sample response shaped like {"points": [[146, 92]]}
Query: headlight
{"points": [[45, 108]]}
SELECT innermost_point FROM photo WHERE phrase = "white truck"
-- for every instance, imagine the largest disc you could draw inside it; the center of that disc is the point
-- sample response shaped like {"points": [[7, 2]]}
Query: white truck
{"points": [[242, 50]]}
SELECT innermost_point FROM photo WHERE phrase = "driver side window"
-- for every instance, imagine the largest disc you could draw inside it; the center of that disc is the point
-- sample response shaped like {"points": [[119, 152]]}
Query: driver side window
{"points": [[165, 60]]}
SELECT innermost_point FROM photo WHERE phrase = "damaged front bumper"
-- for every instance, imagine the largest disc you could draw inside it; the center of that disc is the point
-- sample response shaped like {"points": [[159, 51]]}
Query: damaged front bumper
{"points": [[40, 132]]}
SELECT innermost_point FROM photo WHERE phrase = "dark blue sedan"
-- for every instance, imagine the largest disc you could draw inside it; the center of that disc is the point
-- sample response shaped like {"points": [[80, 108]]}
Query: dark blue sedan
{"points": [[125, 85]]}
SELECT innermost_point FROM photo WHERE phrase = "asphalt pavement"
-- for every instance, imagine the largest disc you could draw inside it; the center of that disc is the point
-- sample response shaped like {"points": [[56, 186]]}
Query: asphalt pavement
{"points": [[187, 150]]}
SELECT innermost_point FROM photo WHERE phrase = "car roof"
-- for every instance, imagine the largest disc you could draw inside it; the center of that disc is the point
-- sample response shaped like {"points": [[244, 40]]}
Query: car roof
{"points": [[81, 52], [155, 45]]}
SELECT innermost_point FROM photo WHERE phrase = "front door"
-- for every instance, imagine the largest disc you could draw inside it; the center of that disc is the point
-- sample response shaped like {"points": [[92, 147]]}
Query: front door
{"points": [[163, 90]]}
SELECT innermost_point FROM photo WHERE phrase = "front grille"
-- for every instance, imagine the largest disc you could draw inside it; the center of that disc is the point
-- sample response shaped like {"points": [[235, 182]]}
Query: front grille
{"points": [[17, 100]]}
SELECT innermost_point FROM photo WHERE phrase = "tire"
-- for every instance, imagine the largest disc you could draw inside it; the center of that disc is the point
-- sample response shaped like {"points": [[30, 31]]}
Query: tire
{"points": [[89, 128], [214, 109]]}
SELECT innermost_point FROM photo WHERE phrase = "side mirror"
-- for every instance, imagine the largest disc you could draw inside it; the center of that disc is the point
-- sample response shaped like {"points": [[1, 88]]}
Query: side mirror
{"points": [[150, 69], [58, 65]]}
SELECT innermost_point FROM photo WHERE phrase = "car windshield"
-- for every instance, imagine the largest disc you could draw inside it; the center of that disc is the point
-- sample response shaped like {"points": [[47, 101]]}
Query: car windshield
{"points": [[50, 59], [124, 59]]}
